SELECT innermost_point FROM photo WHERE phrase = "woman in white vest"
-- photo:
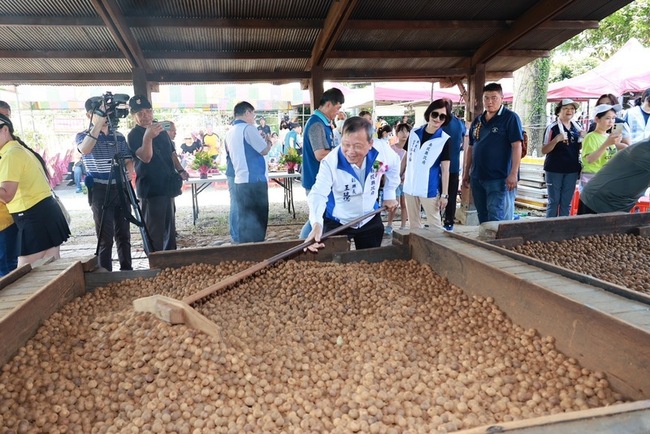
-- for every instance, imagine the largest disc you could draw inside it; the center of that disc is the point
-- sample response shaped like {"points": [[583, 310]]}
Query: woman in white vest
{"points": [[637, 118], [426, 180]]}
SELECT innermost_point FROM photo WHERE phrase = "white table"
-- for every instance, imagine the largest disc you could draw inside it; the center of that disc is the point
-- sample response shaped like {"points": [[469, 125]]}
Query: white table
{"points": [[283, 179]]}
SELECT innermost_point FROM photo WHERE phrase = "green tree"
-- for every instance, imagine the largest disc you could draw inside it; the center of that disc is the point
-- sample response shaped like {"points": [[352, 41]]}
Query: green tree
{"points": [[631, 21]]}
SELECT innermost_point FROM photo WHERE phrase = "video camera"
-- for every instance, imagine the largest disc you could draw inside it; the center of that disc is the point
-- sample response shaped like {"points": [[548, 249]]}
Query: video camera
{"points": [[115, 107]]}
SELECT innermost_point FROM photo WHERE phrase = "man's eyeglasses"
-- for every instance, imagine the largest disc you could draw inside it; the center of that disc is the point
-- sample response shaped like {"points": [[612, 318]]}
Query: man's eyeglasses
{"points": [[436, 115]]}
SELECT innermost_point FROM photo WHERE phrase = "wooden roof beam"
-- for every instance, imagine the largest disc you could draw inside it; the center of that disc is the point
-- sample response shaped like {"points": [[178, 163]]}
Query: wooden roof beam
{"points": [[22, 78], [18, 20], [52, 54], [256, 55], [406, 54], [243, 55], [228, 23], [390, 74], [543, 11], [110, 13], [217, 77], [462, 24], [333, 28], [225, 23]]}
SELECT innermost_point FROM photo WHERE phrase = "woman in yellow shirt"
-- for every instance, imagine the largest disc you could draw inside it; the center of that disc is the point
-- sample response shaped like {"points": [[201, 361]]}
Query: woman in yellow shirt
{"points": [[598, 147], [24, 188]]}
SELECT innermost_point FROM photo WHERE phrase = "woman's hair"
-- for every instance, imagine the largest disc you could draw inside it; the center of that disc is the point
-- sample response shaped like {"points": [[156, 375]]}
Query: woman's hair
{"points": [[383, 129], [640, 100], [7, 122], [402, 126], [610, 97], [439, 103]]}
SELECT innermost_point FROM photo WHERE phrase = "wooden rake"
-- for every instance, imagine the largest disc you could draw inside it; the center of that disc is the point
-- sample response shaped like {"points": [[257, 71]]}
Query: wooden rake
{"points": [[175, 311]]}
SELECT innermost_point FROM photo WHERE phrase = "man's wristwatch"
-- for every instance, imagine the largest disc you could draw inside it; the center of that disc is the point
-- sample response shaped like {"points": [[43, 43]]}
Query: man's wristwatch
{"points": [[444, 196]]}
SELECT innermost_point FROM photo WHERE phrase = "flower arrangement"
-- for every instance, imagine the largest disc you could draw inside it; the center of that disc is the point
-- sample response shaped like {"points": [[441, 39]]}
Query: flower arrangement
{"points": [[203, 162], [291, 159], [291, 156]]}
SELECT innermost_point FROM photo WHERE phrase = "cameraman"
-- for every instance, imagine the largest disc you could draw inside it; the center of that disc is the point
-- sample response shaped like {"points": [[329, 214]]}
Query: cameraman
{"points": [[159, 174], [98, 147]]}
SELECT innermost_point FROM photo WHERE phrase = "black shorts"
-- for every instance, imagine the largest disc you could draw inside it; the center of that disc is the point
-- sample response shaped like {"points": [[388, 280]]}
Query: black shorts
{"points": [[41, 227]]}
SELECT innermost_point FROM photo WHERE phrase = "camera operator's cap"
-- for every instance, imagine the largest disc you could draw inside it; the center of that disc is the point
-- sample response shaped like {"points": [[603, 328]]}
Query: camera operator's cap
{"points": [[139, 102], [602, 108], [93, 103], [568, 101]]}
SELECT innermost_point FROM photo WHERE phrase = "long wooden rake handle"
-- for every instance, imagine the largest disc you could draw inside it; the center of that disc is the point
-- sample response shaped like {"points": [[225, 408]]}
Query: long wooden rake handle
{"points": [[231, 280]]}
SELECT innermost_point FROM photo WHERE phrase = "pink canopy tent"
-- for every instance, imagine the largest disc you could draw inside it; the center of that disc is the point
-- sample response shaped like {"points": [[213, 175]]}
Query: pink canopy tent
{"points": [[628, 70]]}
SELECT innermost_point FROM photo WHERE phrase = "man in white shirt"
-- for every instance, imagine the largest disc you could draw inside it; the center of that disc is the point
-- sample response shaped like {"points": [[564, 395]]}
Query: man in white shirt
{"points": [[246, 149], [347, 187]]}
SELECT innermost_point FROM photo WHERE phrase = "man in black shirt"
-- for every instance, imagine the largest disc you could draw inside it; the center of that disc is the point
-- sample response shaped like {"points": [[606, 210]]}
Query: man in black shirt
{"points": [[157, 169]]}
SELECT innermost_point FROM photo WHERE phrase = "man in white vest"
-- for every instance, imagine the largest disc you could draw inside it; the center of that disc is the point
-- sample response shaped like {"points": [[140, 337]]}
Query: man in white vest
{"points": [[347, 187]]}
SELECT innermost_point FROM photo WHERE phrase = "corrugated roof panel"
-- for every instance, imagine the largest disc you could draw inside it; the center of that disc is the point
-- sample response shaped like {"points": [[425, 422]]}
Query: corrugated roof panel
{"points": [[60, 66], [225, 66], [544, 39], [392, 64], [306, 9], [440, 9], [505, 64], [197, 39], [56, 38], [48, 8], [413, 39], [590, 10]]}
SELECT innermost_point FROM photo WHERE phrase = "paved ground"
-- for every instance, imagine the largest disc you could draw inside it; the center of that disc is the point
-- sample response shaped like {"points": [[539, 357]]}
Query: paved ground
{"points": [[211, 228]]}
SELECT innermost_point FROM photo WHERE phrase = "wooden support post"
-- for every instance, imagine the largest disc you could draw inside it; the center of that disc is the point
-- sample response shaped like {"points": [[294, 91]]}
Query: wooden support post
{"points": [[316, 86], [476, 82], [140, 84]]}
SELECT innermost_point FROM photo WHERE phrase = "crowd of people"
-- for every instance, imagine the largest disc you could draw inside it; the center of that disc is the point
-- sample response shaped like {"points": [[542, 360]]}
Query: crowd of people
{"points": [[597, 160], [351, 167]]}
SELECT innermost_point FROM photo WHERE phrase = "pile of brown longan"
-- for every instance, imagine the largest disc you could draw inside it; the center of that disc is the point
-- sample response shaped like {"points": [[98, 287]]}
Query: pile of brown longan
{"points": [[623, 259], [306, 347]]}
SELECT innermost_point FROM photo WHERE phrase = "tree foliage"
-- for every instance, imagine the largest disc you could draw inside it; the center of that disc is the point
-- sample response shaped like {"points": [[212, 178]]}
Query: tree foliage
{"points": [[631, 21], [588, 49]]}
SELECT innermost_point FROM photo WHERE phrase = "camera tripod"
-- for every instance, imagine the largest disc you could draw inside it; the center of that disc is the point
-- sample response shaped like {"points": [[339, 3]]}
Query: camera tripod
{"points": [[127, 201]]}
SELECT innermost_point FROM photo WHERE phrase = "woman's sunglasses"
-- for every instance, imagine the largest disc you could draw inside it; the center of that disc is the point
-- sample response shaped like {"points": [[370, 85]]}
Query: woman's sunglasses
{"points": [[436, 115]]}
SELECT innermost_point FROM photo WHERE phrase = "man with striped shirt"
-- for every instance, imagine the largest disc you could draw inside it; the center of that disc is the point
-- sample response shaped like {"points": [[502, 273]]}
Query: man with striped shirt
{"points": [[98, 147]]}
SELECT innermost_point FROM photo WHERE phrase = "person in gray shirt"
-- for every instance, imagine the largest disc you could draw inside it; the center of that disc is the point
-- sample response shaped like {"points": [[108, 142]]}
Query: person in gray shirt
{"points": [[620, 183]]}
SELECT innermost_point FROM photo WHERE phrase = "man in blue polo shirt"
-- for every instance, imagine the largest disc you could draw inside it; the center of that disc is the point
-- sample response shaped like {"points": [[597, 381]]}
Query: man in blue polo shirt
{"points": [[250, 194], [495, 140], [318, 141]]}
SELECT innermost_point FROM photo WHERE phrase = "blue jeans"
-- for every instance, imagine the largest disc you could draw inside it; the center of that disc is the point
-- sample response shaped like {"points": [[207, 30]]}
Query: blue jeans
{"points": [[561, 187], [233, 216], [490, 199], [8, 249], [78, 173], [509, 205]]}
